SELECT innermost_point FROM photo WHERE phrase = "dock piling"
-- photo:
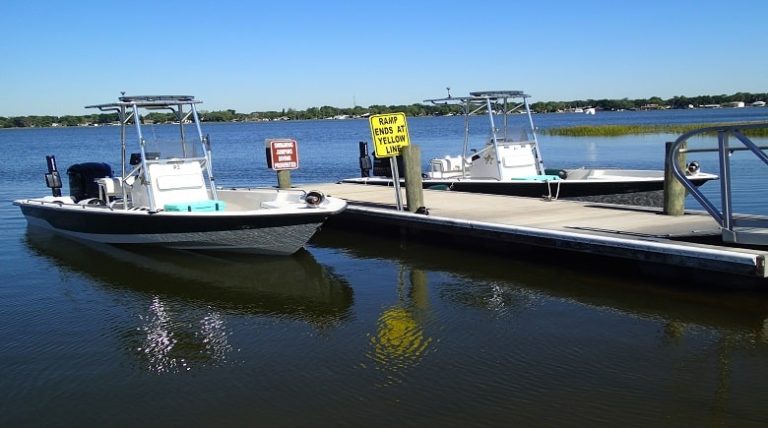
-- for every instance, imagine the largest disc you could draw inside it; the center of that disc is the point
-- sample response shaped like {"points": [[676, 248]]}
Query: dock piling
{"points": [[414, 192], [284, 179], [674, 192]]}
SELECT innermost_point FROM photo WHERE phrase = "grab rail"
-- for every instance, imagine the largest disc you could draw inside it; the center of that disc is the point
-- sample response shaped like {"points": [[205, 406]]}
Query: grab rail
{"points": [[754, 231]]}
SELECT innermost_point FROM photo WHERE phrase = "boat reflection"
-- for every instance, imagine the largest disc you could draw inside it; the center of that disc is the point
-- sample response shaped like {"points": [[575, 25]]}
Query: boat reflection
{"points": [[191, 296]]}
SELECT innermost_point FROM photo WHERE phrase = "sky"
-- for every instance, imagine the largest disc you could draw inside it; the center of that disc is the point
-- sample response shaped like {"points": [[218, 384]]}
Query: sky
{"points": [[58, 56]]}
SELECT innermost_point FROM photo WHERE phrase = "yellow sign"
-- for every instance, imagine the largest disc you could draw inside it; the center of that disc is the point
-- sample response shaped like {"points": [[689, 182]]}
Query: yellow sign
{"points": [[390, 133]]}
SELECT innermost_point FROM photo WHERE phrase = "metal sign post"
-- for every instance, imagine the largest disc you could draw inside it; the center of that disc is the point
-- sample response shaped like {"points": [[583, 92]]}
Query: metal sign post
{"points": [[396, 178], [390, 134]]}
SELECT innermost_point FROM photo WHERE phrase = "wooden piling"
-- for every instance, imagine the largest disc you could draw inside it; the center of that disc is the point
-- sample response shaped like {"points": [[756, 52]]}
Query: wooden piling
{"points": [[414, 192], [674, 192], [284, 179]]}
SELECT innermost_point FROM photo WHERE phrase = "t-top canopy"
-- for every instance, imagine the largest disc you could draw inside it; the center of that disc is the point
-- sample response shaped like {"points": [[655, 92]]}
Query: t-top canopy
{"points": [[480, 96], [499, 94], [149, 101]]}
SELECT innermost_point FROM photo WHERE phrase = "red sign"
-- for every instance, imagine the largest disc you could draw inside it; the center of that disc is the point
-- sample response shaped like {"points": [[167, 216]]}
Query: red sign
{"points": [[282, 154]]}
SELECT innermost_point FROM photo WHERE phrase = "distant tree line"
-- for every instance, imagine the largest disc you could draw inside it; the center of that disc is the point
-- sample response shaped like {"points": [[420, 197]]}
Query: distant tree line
{"points": [[413, 110], [47, 121], [677, 102]]}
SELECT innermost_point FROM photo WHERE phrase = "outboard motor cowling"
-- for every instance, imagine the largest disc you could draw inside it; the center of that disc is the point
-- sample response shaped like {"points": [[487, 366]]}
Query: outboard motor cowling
{"points": [[82, 179], [365, 160]]}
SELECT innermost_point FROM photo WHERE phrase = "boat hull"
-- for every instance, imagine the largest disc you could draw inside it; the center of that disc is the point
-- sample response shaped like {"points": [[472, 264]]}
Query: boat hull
{"points": [[257, 233], [594, 190]]}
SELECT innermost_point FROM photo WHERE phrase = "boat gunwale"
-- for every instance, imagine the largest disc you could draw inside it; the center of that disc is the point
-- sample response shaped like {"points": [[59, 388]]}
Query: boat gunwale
{"points": [[335, 206]]}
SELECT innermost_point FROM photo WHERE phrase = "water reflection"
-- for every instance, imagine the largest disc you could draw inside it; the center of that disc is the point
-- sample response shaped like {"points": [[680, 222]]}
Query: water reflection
{"points": [[400, 341], [508, 283], [167, 345], [190, 297], [561, 327]]}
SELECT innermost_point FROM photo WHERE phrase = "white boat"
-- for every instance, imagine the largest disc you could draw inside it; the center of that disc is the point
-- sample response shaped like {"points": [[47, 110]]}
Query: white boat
{"points": [[165, 194], [510, 162]]}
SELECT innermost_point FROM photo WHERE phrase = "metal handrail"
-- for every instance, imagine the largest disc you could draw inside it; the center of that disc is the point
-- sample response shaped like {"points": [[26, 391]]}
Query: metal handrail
{"points": [[723, 215]]}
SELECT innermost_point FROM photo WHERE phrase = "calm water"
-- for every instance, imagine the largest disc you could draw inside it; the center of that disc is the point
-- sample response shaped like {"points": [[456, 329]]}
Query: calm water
{"points": [[357, 330]]}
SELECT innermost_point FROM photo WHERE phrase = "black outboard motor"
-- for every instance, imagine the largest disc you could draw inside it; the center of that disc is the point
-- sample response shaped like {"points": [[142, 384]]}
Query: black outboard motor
{"points": [[365, 160], [82, 179], [382, 167], [53, 179]]}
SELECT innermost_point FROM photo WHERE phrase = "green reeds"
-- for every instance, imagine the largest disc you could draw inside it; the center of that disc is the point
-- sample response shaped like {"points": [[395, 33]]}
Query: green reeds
{"points": [[618, 130]]}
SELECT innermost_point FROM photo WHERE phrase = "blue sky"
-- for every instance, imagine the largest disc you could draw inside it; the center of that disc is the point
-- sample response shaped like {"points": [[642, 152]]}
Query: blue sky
{"points": [[253, 56]]}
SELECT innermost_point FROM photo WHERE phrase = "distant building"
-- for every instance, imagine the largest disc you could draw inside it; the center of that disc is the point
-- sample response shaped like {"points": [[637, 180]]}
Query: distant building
{"points": [[653, 107]]}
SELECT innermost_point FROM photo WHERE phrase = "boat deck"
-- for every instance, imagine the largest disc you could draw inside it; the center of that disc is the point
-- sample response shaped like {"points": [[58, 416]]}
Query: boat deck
{"points": [[638, 233]]}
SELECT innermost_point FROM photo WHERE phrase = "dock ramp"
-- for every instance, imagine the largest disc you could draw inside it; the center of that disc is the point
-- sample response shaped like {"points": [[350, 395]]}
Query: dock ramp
{"points": [[730, 138]]}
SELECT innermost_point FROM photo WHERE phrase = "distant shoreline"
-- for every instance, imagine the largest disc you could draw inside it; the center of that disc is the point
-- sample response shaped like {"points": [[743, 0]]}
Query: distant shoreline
{"points": [[612, 130], [737, 100]]}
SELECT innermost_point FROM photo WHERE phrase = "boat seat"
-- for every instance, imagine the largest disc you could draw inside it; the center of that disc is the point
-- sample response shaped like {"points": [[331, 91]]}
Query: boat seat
{"points": [[109, 187], [171, 183]]}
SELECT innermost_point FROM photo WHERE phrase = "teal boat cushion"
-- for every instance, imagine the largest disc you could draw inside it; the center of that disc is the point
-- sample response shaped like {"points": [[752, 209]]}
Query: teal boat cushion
{"points": [[201, 206]]}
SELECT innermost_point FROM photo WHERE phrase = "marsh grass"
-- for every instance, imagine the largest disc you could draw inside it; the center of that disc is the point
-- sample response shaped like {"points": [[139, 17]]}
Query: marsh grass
{"points": [[618, 130]]}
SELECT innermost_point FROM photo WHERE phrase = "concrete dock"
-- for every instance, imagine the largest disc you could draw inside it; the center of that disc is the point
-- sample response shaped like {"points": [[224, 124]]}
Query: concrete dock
{"points": [[639, 234]]}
